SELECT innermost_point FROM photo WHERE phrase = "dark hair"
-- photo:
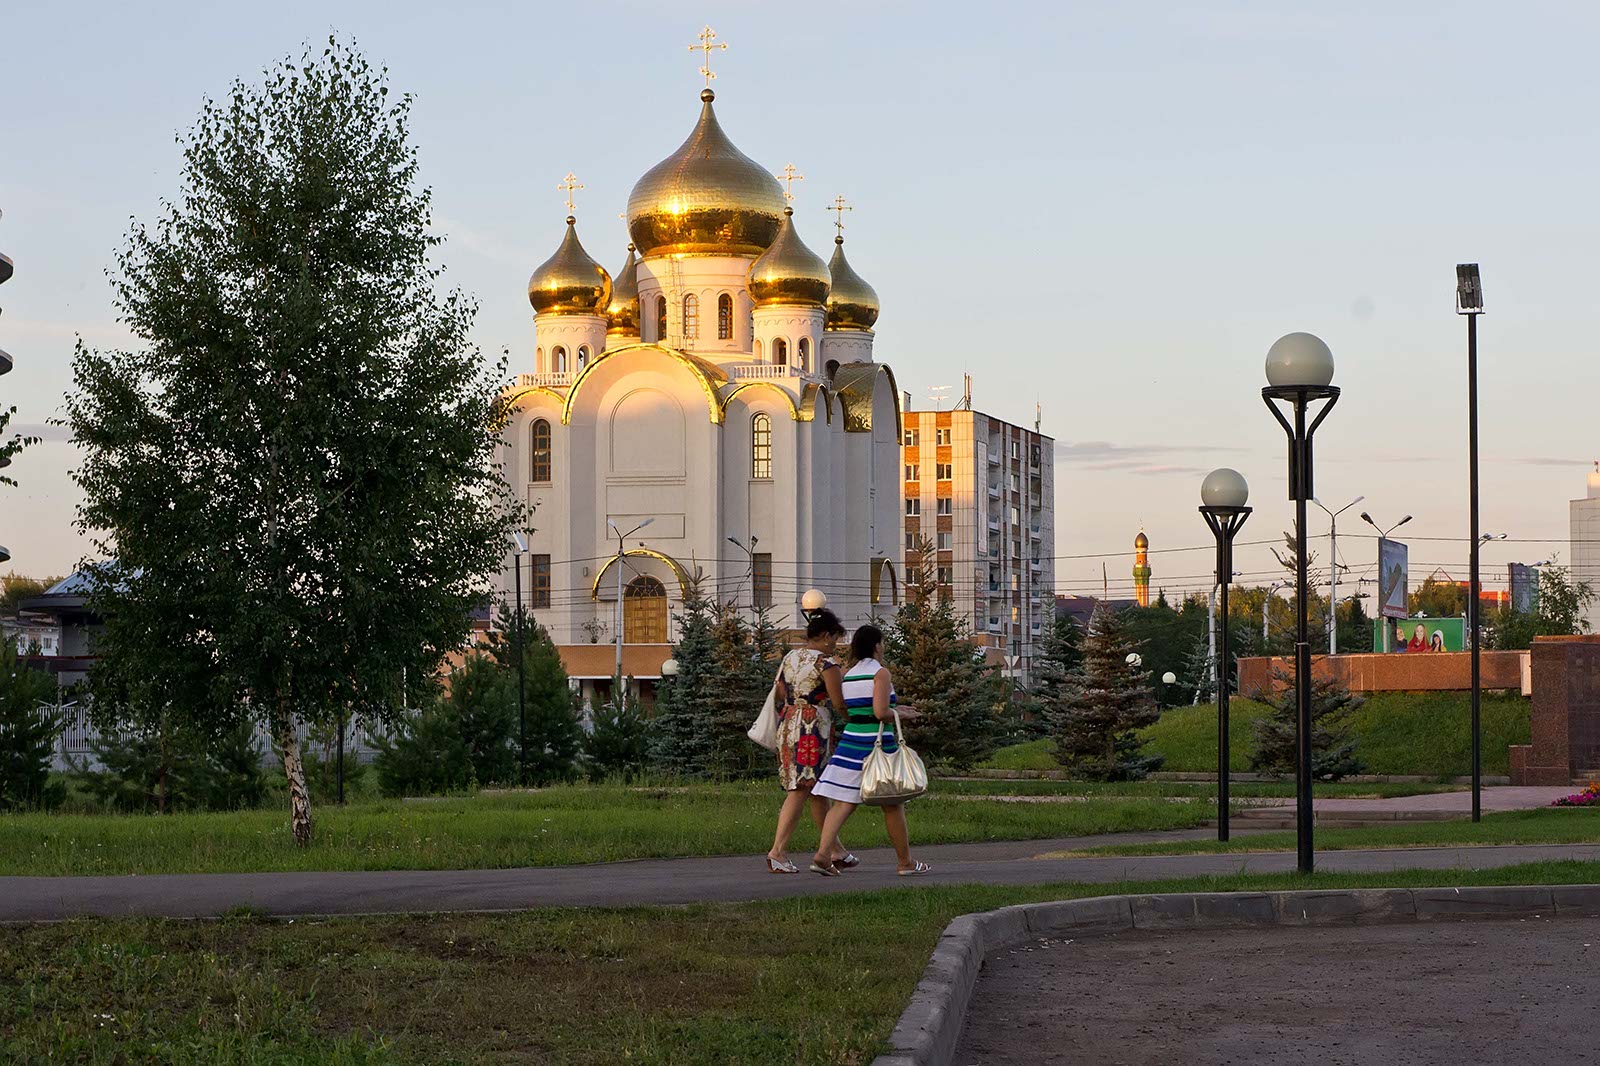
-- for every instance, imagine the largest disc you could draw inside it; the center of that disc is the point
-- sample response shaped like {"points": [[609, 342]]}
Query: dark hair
{"points": [[865, 642], [824, 623]]}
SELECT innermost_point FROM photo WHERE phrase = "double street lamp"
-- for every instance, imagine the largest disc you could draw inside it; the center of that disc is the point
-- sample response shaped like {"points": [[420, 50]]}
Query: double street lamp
{"points": [[1299, 376], [622, 554], [1223, 495]]}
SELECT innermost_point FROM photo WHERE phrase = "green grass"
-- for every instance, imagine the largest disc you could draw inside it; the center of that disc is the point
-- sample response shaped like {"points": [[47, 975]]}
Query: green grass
{"points": [[792, 981], [559, 826], [1547, 825], [1406, 733]]}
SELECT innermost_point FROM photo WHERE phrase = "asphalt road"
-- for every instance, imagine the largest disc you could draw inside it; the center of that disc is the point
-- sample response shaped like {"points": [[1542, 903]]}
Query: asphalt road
{"points": [[1412, 994], [672, 881]]}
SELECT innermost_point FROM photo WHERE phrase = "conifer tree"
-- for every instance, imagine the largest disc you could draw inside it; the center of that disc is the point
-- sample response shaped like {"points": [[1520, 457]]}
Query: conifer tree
{"points": [[681, 741], [1096, 730], [1196, 680], [1333, 749], [554, 735], [1057, 659], [616, 746], [27, 733]]}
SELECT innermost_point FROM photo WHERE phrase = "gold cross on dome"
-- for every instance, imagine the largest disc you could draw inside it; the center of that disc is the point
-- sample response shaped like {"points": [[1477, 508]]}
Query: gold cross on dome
{"points": [[839, 207], [789, 176], [705, 46], [568, 185]]}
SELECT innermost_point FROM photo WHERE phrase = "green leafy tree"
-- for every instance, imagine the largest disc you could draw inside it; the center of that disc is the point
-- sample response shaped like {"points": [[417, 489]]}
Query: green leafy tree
{"points": [[14, 588], [1439, 599], [939, 671], [1096, 729], [11, 447], [616, 745], [28, 731], [295, 469], [681, 741], [1560, 610], [1333, 748]]}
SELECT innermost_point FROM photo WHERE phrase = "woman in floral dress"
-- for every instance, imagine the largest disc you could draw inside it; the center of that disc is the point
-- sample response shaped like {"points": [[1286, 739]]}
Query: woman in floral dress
{"points": [[805, 693]]}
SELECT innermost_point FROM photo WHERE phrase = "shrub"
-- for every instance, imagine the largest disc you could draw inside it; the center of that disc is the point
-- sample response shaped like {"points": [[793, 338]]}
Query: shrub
{"points": [[28, 730]]}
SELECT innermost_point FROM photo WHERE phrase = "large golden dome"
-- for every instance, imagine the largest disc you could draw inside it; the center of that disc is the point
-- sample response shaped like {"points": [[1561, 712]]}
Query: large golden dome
{"points": [[622, 313], [707, 198], [852, 303], [788, 273], [569, 282]]}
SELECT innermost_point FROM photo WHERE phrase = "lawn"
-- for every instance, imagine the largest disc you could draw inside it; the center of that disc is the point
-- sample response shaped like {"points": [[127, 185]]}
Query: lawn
{"points": [[1547, 825], [804, 981], [558, 826], [1406, 733]]}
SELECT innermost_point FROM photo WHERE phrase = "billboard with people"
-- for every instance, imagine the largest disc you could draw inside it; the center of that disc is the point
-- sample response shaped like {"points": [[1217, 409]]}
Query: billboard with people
{"points": [[1392, 583], [1422, 634]]}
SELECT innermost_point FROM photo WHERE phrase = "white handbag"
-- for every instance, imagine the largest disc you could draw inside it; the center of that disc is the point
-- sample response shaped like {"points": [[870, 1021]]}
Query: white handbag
{"points": [[888, 778], [765, 729]]}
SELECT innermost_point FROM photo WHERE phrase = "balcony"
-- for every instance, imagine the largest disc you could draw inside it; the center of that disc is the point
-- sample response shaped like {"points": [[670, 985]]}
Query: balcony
{"points": [[766, 372], [561, 380], [994, 492]]}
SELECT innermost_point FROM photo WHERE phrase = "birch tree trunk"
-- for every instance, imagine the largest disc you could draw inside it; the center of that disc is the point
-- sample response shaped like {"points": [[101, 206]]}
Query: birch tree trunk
{"points": [[295, 771]]}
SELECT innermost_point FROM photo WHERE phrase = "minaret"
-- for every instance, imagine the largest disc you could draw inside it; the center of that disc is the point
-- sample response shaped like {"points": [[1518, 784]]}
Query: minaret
{"points": [[1141, 568]]}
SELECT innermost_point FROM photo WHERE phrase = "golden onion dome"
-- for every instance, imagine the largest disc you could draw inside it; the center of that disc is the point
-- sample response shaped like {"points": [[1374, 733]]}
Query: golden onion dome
{"points": [[788, 273], [569, 282], [707, 198], [622, 313], [852, 303], [1141, 542]]}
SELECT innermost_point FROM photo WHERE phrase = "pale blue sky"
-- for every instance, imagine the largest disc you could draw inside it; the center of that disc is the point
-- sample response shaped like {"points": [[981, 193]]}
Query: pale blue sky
{"points": [[1109, 208]]}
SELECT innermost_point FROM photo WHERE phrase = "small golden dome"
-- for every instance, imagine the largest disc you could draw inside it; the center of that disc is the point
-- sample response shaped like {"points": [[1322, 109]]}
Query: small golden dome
{"points": [[788, 273], [852, 303], [1141, 542], [569, 282], [706, 198], [622, 313]]}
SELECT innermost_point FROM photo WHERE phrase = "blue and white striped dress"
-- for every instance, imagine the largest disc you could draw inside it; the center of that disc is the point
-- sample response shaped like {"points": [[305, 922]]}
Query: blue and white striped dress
{"points": [[841, 778]]}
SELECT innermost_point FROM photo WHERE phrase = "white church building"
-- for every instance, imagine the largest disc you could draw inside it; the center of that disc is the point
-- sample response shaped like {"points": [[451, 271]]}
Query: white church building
{"points": [[719, 387]]}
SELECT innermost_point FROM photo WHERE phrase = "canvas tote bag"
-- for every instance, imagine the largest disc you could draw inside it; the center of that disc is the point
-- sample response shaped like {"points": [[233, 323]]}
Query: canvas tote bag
{"points": [[894, 777], [765, 729]]}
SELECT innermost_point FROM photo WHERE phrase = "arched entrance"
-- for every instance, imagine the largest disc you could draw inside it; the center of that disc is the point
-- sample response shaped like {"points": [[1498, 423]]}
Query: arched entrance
{"points": [[644, 611]]}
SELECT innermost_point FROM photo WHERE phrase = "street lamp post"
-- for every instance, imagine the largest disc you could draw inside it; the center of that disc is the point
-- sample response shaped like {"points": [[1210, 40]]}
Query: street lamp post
{"points": [[1469, 302], [622, 554], [1333, 570], [1299, 374], [750, 557], [1383, 535], [520, 545], [1223, 495]]}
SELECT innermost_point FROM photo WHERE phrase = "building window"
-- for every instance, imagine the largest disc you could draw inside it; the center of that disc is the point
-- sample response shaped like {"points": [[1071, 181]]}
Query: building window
{"points": [[583, 356], [941, 435], [945, 575], [913, 507], [761, 579], [644, 611], [943, 471], [911, 540], [539, 469], [1036, 456], [913, 472], [1016, 449], [661, 319], [540, 569], [761, 447], [946, 505], [913, 438], [1016, 615], [724, 317], [1016, 481], [757, 350], [780, 352], [1016, 517], [946, 540], [558, 356], [691, 316], [805, 354]]}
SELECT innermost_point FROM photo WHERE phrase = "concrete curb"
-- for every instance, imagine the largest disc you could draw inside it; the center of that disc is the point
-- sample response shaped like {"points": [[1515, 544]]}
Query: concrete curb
{"points": [[930, 1027]]}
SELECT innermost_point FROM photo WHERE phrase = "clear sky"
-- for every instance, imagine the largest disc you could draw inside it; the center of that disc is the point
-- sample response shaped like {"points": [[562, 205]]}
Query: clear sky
{"points": [[1110, 209]]}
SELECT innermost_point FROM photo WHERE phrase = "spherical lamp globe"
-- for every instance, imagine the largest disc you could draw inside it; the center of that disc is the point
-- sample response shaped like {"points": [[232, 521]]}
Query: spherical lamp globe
{"points": [[669, 668], [1224, 487], [1169, 678], [1134, 659], [1299, 360], [813, 600]]}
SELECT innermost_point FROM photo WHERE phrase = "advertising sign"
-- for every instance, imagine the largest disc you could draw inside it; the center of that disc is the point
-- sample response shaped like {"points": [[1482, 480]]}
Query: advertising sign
{"points": [[1524, 587], [1417, 635], [1392, 585]]}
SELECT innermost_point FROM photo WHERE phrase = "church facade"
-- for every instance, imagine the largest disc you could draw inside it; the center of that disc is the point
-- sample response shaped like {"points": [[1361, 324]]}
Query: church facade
{"points": [[711, 413]]}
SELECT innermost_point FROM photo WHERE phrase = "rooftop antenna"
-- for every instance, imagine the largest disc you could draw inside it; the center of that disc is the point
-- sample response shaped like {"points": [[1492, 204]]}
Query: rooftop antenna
{"points": [[1038, 417], [937, 393], [966, 393]]}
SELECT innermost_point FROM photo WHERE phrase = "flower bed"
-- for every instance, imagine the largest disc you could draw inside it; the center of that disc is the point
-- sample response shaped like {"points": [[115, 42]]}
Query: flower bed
{"points": [[1589, 797]]}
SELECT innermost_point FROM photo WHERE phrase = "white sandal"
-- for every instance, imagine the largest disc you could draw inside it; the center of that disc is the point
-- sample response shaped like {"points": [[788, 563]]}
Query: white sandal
{"points": [[776, 867], [919, 868]]}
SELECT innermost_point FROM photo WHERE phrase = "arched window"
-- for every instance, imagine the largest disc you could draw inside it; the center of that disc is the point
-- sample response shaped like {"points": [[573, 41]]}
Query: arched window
{"points": [[724, 317], [539, 467], [691, 316], [761, 447], [661, 319], [644, 611], [805, 354], [583, 356], [558, 357], [832, 368], [538, 361], [757, 348], [780, 352]]}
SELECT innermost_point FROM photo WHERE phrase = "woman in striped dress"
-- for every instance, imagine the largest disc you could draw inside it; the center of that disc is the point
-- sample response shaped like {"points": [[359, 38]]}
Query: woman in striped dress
{"points": [[869, 702]]}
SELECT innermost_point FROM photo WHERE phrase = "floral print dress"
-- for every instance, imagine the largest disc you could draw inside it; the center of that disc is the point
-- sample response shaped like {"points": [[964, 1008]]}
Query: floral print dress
{"points": [[805, 717]]}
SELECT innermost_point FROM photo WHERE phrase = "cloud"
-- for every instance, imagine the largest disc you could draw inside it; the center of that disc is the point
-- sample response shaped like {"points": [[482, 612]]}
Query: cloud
{"points": [[1537, 460], [482, 244], [1142, 459]]}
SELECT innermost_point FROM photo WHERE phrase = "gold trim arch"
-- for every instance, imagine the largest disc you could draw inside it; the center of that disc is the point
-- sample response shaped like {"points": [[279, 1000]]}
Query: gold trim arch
{"points": [[794, 411], [808, 403], [709, 376], [514, 400], [855, 384], [672, 564]]}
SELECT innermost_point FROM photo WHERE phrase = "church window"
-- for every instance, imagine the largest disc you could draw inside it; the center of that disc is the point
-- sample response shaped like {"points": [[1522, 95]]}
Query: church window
{"points": [[780, 352], [757, 349], [724, 317], [761, 580], [761, 447], [913, 506], [661, 319], [558, 356], [583, 356], [644, 611], [540, 467], [691, 316], [805, 354], [538, 360], [540, 569]]}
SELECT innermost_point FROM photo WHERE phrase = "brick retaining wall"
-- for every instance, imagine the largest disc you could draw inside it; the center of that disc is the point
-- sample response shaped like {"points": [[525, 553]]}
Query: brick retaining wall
{"points": [[1393, 672]]}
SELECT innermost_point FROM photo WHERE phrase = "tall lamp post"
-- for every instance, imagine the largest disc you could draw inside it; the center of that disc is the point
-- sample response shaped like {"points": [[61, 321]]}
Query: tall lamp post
{"points": [[1333, 569], [622, 554], [1300, 374], [1469, 302], [1223, 495], [1383, 535], [750, 558], [520, 548]]}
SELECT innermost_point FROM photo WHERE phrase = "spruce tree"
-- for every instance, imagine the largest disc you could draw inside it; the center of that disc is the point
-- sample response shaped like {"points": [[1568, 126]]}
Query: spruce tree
{"points": [[1333, 749], [482, 703], [1096, 729], [28, 730], [616, 745], [554, 735], [1196, 682], [681, 741], [941, 673], [1057, 659]]}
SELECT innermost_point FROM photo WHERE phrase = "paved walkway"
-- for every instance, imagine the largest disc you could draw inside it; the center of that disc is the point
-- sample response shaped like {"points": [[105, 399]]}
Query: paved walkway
{"points": [[676, 881], [1501, 798]]}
